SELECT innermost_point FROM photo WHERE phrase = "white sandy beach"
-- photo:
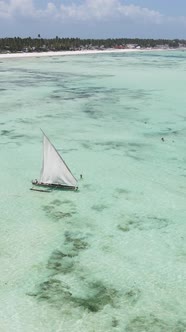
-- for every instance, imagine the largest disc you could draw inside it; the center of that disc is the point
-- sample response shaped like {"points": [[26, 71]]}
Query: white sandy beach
{"points": [[62, 53]]}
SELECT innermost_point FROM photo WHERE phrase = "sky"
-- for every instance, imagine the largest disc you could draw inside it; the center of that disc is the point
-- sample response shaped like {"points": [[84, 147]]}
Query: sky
{"points": [[93, 18]]}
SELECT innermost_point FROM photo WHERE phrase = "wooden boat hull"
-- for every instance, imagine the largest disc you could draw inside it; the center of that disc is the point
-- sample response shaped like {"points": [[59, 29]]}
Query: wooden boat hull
{"points": [[53, 186]]}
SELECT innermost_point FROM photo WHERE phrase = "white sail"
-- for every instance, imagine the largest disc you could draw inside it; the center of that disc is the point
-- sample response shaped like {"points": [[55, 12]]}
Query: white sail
{"points": [[54, 169]]}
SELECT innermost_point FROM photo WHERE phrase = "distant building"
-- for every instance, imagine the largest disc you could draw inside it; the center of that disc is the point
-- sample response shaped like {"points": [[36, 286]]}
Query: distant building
{"points": [[120, 47], [131, 46], [25, 49]]}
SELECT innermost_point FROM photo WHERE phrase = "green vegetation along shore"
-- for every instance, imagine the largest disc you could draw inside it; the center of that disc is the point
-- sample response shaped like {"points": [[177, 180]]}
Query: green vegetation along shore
{"points": [[39, 44]]}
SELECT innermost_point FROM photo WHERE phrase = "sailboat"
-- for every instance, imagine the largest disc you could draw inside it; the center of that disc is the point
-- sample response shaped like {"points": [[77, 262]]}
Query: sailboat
{"points": [[54, 172]]}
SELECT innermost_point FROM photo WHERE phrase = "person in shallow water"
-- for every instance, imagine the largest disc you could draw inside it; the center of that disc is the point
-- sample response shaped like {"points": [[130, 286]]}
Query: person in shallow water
{"points": [[81, 176]]}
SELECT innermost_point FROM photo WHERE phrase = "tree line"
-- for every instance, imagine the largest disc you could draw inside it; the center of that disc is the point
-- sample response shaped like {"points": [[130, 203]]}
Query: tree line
{"points": [[38, 44]]}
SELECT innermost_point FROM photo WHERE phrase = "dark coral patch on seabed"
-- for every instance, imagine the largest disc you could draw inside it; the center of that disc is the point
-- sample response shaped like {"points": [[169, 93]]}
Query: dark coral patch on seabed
{"points": [[58, 210], [151, 323]]}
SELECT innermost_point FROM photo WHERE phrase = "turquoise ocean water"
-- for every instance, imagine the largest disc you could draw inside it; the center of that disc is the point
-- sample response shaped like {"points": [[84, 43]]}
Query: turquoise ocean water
{"points": [[112, 256]]}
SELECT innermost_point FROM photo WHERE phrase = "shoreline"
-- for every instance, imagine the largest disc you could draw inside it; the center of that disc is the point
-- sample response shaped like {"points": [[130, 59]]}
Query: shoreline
{"points": [[84, 52]]}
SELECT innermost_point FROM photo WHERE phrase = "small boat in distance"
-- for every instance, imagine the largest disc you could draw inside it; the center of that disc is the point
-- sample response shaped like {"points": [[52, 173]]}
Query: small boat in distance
{"points": [[55, 174]]}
